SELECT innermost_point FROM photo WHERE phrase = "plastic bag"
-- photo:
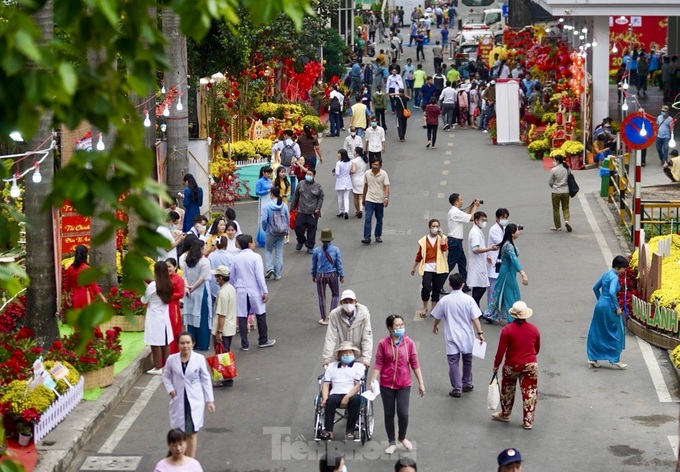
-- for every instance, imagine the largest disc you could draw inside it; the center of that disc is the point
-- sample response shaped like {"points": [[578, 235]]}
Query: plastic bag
{"points": [[493, 398], [222, 365]]}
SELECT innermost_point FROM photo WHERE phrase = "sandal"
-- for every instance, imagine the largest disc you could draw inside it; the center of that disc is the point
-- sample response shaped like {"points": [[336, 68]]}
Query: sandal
{"points": [[422, 313], [498, 416], [527, 426], [390, 449], [407, 444]]}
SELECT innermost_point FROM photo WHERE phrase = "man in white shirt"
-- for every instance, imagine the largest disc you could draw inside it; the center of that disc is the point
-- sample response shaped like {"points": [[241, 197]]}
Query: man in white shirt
{"points": [[291, 149], [335, 115], [345, 376], [517, 71], [448, 99], [375, 140], [460, 315], [494, 239], [477, 278], [455, 219], [394, 83], [352, 142], [166, 231]]}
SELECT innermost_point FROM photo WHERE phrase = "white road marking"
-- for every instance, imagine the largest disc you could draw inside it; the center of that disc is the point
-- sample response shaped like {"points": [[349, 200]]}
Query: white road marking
{"points": [[447, 162], [674, 444], [445, 172], [599, 237], [442, 182], [440, 195], [448, 153], [655, 371], [131, 416], [450, 144], [417, 317]]}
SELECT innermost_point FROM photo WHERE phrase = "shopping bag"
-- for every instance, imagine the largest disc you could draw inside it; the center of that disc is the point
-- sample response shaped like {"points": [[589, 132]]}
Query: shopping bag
{"points": [[293, 216], [222, 365], [493, 398], [572, 185]]}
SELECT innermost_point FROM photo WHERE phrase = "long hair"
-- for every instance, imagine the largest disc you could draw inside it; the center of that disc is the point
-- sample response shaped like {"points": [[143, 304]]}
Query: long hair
{"points": [[216, 223], [264, 170], [163, 282], [360, 152], [195, 253], [279, 181], [510, 229], [193, 186], [344, 157], [308, 131], [80, 257], [276, 193]]}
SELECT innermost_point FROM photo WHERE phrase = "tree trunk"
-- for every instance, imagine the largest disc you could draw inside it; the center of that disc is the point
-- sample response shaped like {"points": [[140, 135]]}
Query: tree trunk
{"points": [[41, 295], [177, 162], [102, 256]]}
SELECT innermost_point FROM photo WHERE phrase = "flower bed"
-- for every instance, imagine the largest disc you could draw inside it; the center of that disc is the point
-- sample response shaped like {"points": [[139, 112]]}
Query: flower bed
{"points": [[56, 412]]}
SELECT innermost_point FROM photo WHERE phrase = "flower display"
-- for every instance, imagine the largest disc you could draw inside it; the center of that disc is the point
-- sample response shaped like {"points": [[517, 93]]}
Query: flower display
{"points": [[125, 302], [572, 148], [539, 146], [263, 147], [492, 127], [73, 375], [314, 122], [222, 166], [675, 356], [557, 152], [18, 397], [240, 150], [669, 293], [101, 351]]}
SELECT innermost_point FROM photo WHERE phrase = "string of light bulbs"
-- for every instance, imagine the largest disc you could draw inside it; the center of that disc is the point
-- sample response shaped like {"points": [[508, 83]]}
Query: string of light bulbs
{"points": [[14, 190]]}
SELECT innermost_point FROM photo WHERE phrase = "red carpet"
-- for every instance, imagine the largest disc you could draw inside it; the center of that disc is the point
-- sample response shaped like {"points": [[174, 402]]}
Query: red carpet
{"points": [[28, 456]]}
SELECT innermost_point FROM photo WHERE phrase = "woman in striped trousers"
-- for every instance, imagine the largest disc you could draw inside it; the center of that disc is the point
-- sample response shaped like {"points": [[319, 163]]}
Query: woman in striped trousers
{"points": [[327, 272]]}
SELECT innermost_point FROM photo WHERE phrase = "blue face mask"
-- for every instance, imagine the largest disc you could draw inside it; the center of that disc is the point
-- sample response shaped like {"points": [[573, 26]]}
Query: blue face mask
{"points": [[503, 222], [347, 359], [309, 178], [399, 331]]}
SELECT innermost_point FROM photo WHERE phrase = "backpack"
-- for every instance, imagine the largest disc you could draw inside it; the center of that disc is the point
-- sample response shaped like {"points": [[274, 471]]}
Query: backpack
{"points": [[287, 154], [335, 105], [279, 224]]}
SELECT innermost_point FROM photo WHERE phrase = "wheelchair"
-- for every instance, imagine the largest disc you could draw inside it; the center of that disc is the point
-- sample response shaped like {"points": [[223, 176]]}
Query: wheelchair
{"points": [[365, 420]]}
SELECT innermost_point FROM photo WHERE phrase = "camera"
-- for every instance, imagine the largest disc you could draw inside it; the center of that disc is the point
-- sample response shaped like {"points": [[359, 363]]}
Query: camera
{"points": [[481, 202], [520, 227]]}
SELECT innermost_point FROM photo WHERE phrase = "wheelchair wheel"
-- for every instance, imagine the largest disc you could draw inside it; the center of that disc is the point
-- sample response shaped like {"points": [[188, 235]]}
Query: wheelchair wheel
{"points": [[368, 421], [318, 418]]}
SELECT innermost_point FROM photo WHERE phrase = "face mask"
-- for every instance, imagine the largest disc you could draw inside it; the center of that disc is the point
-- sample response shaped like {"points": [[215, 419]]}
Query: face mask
{"points": [[434, 231], [348, 307], [374, 124], [347, 359], [344, 468], [352, 134], [482, 224], [309, 178], [399, 331], [503, 222]]}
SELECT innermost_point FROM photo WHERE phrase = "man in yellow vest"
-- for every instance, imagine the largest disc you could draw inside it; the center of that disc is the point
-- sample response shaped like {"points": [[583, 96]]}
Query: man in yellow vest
{"points": [[359, 113]]}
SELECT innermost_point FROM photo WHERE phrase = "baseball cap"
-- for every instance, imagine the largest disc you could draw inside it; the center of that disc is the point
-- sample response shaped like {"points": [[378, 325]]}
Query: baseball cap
{"points": [[221, 270], [348, 294], [509, 456]]}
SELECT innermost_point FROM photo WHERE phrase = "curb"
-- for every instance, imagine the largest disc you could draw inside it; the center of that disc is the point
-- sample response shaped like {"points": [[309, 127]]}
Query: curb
{"points": [[58, 450]]}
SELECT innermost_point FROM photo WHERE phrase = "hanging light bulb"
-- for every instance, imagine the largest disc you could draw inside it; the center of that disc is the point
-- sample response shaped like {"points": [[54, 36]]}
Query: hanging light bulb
{"points": [[166, 110], [615, 49], [671, 143], [163, 88], [100, 143], [625, 85], [643, 131], [15, 191], [147, 121], [594, 43], [624, 107], [37, 178], [180, 107]]}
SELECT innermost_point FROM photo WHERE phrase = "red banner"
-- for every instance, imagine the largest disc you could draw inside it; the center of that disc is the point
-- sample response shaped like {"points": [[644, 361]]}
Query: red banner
{"points": [[635, 32], [74, 229]]}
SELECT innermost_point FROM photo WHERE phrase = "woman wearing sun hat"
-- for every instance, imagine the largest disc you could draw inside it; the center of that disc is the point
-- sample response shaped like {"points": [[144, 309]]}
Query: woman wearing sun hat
{"points": [[326, 270], [519, 343]]}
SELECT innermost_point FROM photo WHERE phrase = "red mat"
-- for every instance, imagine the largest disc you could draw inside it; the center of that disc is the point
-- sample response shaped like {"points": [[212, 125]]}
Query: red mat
{"points": [[548, 163], [27, 456]]}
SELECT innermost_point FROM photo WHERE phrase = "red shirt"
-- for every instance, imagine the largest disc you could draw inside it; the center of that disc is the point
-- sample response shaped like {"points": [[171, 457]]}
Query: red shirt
{"points": [[432, 113], [519, 343], [393, 362]]}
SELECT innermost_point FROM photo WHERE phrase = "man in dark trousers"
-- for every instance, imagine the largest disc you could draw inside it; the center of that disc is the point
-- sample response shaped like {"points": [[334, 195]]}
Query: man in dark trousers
{"points": [[307, 200]]}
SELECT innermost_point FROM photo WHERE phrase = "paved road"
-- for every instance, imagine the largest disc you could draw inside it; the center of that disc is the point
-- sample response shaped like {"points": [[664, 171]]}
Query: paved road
{"points": [[603, 420]]}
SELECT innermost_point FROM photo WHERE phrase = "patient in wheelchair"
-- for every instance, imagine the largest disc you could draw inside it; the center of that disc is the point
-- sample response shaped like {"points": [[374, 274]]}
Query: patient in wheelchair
{"points": [[340, 388]]}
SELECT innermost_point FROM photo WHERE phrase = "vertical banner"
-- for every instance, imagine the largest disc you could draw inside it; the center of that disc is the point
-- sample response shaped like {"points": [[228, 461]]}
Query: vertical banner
{"points": [[507, 110]]}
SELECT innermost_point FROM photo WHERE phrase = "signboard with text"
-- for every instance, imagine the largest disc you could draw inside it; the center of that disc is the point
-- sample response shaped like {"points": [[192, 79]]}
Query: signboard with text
{"points": [[635, 32], [75, 229]]}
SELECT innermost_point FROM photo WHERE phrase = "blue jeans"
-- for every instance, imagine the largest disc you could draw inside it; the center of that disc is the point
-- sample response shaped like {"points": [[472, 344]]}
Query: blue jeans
{"points": [[371, 208], [274, 243], [457, 256], [335, 123], [662, 148], [293, 183]]}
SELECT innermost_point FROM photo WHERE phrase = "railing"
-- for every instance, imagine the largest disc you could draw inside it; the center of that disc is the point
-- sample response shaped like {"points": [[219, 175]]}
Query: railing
{"points": [[620, 189], [659, 217], [58, 410]]}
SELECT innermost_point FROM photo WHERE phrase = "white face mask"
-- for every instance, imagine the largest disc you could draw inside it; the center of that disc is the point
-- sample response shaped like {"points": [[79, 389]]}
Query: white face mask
{"points": [[482, 224], [434, 230], [348, 307]]}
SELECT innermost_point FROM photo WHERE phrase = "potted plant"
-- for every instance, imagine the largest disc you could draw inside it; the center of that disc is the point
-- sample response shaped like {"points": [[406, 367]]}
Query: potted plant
{"points": [[493, 130], [538, 148], [24, 407]]}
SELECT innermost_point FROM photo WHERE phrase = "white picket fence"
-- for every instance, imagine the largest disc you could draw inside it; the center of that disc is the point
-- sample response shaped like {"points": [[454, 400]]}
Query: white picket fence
{"points": [[59, 410]]}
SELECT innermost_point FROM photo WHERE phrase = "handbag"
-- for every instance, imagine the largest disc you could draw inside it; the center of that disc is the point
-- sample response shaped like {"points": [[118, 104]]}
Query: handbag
{"points": [[405, 111], [493, 397], [571, 183], [222, 365], [293, 217]]}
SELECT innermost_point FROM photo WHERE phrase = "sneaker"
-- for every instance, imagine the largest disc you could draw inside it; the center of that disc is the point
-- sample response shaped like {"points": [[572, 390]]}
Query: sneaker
{"points": [[310, 251], [298, 246], [366, 241], [378, 239], [346, 215], [269, 274], [323, 322], [467, 289], [455, 394], [245, 349], [155, 371], [468, 388], [277, 277], [568, 226], [445, 127], [269, 343], [485, 131], [359, 214]]}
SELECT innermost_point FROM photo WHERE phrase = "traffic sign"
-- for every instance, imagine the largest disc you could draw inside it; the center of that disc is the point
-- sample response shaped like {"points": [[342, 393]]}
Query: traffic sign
{"points": [[638, 130]]}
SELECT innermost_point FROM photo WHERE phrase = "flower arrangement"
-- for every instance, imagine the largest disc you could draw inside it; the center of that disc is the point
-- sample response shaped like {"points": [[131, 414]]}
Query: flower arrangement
{"points": [[550, 131], [572, 148], [101, 351], [549, 117], [669, 293], [675, 356], [263, 147], [222, 166], [266, 110], [313, 122], [492, 128], [557, 152], [25, 406], [73, 376], [12, 317], [240, 150], [539, 146], [125, 302]]}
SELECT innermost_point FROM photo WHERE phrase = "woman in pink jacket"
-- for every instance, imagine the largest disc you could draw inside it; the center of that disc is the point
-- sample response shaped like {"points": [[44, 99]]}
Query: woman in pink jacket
{"points": [[395, 356]]}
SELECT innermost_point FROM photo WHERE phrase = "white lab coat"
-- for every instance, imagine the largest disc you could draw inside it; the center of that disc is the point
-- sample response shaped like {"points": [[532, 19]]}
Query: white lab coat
{"points": [[196, 383], [247, 276], [495, 237], [157, 327]]}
